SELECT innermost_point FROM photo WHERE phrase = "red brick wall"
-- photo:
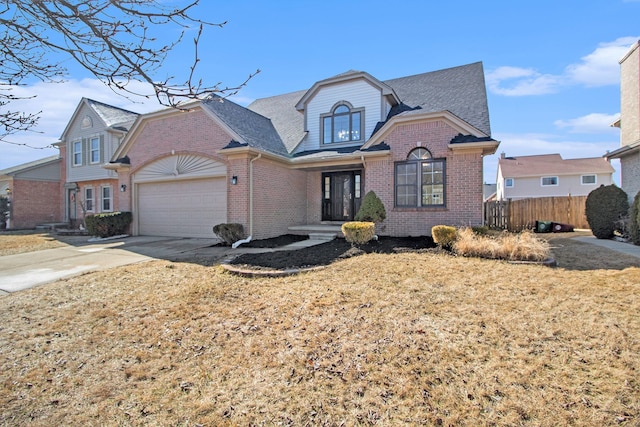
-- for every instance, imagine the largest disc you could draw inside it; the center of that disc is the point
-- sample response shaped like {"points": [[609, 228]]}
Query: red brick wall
{"points": [[34, 202], [279, 198], [97, 196], [463, 181]]}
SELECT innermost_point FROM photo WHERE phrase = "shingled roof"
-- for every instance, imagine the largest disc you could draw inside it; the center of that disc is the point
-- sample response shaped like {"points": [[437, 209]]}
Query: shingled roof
{"points": [[551, 164], [113, 116], [460, 90], [253, 128]]}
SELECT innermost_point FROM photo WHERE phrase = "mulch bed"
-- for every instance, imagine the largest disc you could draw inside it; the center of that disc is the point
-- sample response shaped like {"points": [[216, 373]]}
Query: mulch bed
{"points": [[326, 253]]}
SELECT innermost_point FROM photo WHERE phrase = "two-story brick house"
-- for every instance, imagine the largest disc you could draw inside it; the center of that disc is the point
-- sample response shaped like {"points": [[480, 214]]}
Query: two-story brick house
{"points": [[90, 138], [309, 157]]}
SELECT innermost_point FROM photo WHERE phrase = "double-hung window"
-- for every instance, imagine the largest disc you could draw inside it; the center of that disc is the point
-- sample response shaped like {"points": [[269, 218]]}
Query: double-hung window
{"points": [[549, 181], [106, 199], [94, 150], [588, 179], [77, 153], [343, 124], [420, 180], [88, 199]]}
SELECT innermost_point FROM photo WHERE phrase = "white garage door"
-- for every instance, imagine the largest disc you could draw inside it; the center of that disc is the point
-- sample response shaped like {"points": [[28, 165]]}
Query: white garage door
{"points": [[182, 208]]}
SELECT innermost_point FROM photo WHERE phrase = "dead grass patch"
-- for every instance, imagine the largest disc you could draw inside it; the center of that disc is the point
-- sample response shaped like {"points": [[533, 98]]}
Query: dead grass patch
{"points": [[378, 339], [523, 246], [17, 242]]}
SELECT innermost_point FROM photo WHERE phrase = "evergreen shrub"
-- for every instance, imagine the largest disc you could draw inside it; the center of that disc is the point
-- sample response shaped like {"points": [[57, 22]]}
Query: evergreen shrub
{"points": [[604, 206]]}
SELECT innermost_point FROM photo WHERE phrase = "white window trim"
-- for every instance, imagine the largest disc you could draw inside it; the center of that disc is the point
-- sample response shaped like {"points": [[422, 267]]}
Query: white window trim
{"points": [[73, 152], [110, 198], [91, 150], [589, 183], [93, 199], [542, 184], [513, 182]]}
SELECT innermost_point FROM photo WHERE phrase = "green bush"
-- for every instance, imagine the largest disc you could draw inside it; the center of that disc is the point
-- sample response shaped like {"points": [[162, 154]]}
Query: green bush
{"points": [[358, 232], [229, 233], [108, 224], [604, 206], [372, 209], [444, 235], [4, 209], [634, 220]]}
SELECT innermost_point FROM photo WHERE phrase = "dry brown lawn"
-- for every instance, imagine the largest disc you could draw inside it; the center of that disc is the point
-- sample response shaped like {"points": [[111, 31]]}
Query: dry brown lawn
{"points": [[17, 242], [404, 339]]}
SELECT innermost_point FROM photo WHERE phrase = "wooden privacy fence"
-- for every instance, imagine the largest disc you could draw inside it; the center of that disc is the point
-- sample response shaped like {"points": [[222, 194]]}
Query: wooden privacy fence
{"points": [[517, 215]]}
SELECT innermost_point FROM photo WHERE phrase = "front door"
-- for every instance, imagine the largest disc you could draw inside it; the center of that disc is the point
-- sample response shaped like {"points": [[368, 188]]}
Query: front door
{"points": [[340, 195]]}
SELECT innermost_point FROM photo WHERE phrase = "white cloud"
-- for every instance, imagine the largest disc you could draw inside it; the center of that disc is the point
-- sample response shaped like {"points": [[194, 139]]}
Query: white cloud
{"points": [[598, 68], [591, 123], [515, 81], [601, 67]]}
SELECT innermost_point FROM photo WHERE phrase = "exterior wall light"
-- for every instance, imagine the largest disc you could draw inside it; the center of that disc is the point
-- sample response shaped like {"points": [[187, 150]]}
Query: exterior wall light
{"points": [[123, 188], [234, 180]]}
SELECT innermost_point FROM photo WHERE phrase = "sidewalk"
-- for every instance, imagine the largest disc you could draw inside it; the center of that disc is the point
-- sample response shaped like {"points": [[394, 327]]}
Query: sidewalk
{"points": [[614, 245]]}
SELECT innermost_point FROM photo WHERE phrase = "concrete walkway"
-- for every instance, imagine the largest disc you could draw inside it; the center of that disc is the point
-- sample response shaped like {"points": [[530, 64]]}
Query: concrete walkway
{"points": [[24, 271], [614, 245]]}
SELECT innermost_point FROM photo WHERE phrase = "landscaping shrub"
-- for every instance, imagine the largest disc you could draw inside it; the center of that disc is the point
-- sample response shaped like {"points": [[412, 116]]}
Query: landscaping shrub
{"points": [[108, 224], [480, 230], [358, 232], [444, 235], [372, 209], [604, 206], [524, 246], [634, 221], [229, 233]]}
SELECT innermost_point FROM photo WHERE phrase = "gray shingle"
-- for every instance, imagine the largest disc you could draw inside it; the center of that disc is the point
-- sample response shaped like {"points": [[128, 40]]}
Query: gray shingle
{"points": [[113, 116], [460, 90], [253, 128]]}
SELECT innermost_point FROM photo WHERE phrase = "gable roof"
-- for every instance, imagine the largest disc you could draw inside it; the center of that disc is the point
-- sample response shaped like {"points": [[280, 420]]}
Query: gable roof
{"points": [[29, 165], [460, 90], [112, 117], [551, 164], [254, 129]]}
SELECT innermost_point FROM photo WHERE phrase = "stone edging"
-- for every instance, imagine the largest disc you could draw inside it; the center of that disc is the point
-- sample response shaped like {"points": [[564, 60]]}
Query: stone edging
{"points": [[245, 272]]}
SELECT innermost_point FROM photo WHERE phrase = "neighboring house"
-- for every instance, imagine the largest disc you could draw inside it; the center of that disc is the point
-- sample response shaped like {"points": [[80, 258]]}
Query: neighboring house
{"points": [[34, 192], [308, 157], [489, 192], [550, 175], [91, 137], [629, 122]]}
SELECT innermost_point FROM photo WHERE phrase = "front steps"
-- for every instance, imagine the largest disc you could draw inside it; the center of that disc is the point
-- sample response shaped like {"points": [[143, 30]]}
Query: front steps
{"points": [[320, 230]]}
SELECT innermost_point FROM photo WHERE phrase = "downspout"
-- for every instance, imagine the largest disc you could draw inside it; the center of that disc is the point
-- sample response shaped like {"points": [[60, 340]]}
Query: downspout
{"points": [[248, 239]]}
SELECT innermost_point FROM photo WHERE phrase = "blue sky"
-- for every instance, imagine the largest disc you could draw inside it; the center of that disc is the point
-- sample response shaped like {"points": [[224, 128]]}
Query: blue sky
{"points": [[551, 67]]}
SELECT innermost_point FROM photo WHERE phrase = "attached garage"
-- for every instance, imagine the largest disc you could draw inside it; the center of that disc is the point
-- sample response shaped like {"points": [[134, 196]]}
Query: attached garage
{"points": [[177, 201]]}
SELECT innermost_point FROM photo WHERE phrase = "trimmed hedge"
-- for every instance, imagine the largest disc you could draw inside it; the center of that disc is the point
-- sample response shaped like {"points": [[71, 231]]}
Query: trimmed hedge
{"points": [[229, 233], [108, 224], [358, 232], [604, 206], [444, 235]]}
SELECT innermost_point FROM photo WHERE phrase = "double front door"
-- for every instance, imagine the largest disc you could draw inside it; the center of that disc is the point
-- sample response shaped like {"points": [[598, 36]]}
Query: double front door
{"points": [[341, 195]]}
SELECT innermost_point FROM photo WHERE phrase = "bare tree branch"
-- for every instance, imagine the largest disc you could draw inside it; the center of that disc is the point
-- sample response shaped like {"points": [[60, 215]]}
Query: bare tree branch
{"points": [[118, 41]]}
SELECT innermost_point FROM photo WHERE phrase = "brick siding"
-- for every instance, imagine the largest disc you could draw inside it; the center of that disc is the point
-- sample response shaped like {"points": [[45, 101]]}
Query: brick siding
{"points": [[34, 202]]}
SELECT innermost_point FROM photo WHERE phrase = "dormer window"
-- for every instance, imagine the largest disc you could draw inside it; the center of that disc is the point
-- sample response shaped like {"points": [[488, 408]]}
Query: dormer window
{"points": [[343, 124]]}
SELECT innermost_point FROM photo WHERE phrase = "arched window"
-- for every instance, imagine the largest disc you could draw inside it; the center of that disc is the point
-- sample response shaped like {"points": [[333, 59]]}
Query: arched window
{"points": [[420, 180], [343, 124]]}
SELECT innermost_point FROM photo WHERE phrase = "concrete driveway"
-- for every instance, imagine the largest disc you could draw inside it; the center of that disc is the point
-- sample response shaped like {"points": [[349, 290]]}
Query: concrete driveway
{"points": [[23, 271]]}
